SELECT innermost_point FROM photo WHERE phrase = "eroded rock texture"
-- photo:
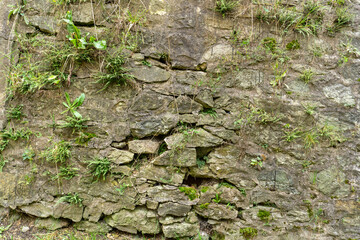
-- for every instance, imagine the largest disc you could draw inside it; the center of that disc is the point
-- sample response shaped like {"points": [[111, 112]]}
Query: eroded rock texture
{"points": [[197, 122]]}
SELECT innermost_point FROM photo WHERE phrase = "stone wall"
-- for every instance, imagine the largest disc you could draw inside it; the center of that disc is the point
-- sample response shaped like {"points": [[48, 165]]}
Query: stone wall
{"points": [[241, 125]]}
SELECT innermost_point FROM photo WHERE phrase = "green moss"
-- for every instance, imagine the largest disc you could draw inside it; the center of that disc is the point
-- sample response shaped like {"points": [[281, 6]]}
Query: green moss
{"points": [[204, 189], [248, 232], [189, 191], [269, 43], [263, 215], [293, 45], [204, 205]]}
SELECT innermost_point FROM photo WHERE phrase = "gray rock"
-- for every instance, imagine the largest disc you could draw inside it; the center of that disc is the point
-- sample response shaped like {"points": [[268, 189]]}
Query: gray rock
{"points": [[246, 79], [46, 24], [41, 209], [180, 158], [69, 211], [193, 138], [166, 175], [205, 98], [340, 94], [120, 156], [25, 229], [51, 223], [331, 182], [150, 75], [152, 204], [216, 211], [153, 125], [144, 146], [223, 133], [183, 229], [140, 219], [173, 209], [99, 227], [184, 104]]}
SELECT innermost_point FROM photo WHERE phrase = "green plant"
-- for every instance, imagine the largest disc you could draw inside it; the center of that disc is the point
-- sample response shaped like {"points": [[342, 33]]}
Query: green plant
{"points": [[264, 215], [225, 6], [317, 51], [292, 135], [28, 154], [18, 10], [310, 138], [331, 133], [200, 162], [309, 109], [279, 75], [269, 44], [343, 18], [189, 191], [84, 137], [293, 45], [204, 189], [146, 63], [162, 148], [72, 106], [15, 112], [114, 73], [2, 162], [122, 187], [4, 229], [248, 232], [72, 198], [67, 172], [58, 152], [204, 205], [307, 75], [99, 167], [75, 37], [76, 123], [209, 111], [243, 191], [217, 198], [256, 162]]}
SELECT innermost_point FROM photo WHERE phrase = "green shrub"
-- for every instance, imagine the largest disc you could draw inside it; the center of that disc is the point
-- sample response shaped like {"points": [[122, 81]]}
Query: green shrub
{"points": [[15, 112], [307, 75], [225, 6], [114, 73], [99, 168], [58, 152], [72, 198]]}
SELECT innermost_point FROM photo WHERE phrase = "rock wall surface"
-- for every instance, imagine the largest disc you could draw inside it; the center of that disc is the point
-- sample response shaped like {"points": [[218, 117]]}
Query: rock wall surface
{"points": [[183, 119]]}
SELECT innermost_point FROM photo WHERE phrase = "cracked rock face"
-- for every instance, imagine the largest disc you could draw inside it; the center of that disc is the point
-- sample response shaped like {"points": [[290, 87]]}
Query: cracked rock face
{"points": [[213, 132]]}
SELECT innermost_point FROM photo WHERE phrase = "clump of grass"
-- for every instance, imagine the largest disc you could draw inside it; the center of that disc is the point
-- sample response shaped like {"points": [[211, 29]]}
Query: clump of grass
{"points": [[67, 172], [15, 112], [343, 18], [99, 168], [307, 75], [59, 152], [114, 73], [75, 123], [225, 6], [72, 198], [310, 138]]}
